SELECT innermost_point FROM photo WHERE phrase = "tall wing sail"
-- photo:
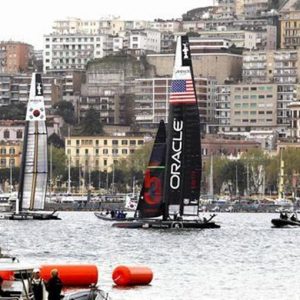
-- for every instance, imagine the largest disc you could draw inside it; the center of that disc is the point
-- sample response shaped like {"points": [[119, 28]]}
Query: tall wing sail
{"points": [[183, 162], [33, 181], [151, 197]]}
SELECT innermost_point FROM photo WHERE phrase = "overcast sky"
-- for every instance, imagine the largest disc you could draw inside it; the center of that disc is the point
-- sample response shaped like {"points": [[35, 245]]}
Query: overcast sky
{"points": [[28, 20]]}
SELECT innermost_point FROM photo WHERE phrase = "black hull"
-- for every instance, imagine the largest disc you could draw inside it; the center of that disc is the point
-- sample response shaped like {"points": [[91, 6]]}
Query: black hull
{"points": [[109, 218], [283, 222], [30, 216], [157, 224]]}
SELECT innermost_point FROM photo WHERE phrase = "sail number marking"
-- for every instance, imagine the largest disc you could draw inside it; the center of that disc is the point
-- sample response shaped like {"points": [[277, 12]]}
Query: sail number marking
{"points": [[154, 189], [176, 156]]}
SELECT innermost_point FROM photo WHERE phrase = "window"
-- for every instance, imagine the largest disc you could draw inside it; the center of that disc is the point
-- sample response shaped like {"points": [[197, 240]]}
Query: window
{"points": [[69, 142], [105, 142], [105, 162], [3, 162], [132, 142], [86, 151], [115, 142], [3, 151], [6, 134], [19, 134], [105, 151], [115, 151], [12, 151], [124, 142], [77, 151], [140, 142], [97, 151], [77, 142], [124, 151]]}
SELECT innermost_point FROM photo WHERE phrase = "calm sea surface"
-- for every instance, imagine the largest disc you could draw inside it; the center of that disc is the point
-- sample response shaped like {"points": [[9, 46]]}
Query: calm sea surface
{"points": [[245, 259]]}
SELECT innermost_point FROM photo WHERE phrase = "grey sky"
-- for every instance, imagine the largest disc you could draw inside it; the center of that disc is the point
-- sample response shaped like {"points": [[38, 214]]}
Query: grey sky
{"points": [[28, 20]]}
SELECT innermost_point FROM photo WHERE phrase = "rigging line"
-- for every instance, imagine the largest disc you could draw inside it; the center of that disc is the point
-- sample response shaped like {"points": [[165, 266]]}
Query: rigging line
{"points": [[34, 178]]}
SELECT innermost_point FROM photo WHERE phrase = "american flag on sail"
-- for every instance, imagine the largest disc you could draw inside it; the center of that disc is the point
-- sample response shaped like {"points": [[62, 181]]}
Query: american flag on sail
{"points": [[182, 91]]}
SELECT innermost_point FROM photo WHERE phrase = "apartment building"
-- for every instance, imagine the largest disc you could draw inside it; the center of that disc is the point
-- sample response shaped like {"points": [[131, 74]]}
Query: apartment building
{"points": [[289, 30], [253, 106], [10, 154], [101, 152], [151, 103], [74, 51], [295, 121], [145, 40], [255, 8], [15, 57], [166, 26], [15, 89]]}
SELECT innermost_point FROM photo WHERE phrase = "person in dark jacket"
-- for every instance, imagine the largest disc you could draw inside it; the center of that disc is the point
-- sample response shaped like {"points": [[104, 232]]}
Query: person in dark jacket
{"points": [[3, 293], [54, 286], [37, 285]]}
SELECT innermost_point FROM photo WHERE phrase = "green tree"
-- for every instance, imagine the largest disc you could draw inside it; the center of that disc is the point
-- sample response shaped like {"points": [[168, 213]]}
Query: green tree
{"points": [[90, 124], [65, 109], [58, 161], [13, 112], [56, 141]]}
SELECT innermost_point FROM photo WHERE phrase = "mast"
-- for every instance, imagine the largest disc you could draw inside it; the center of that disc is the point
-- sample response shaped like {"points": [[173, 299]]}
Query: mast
{"points": [[183, 159], [69, 167], [51, 166]]}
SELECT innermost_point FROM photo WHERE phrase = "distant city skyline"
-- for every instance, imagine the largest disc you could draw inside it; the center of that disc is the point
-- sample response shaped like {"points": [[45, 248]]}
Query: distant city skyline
{"points": [[27, 21]]}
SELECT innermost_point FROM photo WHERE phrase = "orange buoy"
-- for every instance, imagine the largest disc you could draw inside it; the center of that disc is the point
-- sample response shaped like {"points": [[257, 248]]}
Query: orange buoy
{"points": [[72, 275], [124, 275], [7, 275]]}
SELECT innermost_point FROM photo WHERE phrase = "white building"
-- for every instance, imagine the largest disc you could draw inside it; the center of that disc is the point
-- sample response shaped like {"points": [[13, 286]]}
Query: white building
{"points": [[147, 40], [73, 51], [169, 26]]}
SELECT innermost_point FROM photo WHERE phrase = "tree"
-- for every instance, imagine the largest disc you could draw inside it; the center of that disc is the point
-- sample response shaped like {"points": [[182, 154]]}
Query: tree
{"points": [[13, 112], [56, 141], [65, 109], [90, 124], [58, 161]]}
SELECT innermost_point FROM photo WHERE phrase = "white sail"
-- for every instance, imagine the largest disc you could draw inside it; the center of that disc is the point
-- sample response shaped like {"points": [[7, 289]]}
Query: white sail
{"points": [[34, 160]]}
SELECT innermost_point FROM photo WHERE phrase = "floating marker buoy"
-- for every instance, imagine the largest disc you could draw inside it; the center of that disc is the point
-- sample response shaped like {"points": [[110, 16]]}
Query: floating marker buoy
{"points": [[72, 275], [124, 275]]}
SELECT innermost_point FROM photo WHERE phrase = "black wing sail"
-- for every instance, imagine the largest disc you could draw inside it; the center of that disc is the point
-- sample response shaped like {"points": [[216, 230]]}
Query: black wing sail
{"points": [[183, 162], [150, 203]]}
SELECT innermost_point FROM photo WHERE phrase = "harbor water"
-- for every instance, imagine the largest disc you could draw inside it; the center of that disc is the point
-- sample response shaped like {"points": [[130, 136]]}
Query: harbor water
{"points": [[245, 259]]}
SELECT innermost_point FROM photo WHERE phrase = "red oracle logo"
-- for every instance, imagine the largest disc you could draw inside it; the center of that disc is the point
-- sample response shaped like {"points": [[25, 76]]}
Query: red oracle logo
{"points": [[152, 183]]}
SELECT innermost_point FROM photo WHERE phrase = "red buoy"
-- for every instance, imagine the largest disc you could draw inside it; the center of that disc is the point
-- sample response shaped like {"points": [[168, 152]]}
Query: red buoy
{"points": [[7, 275], [124, 275], [72, 275]]}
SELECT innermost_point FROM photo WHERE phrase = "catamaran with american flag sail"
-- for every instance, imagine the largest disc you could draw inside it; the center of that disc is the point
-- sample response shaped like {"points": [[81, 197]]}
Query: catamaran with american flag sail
{"points": [[171, 190]]}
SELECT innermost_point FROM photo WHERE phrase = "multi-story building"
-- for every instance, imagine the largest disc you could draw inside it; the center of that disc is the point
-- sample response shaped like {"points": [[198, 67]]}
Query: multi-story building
{"points": [[101, 152], [10, 154], [225, 8], [222, 111], [151, 103], [166, 26], [253, 106], [255, 8], [15, 89], [74, 51], [145, 40], [289, 30], [295, 121], [15, 57]]}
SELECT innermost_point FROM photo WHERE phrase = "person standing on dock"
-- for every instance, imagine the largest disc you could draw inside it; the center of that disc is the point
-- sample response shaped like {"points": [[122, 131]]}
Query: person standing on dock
{"points": [[37, 285], [54, 286]]}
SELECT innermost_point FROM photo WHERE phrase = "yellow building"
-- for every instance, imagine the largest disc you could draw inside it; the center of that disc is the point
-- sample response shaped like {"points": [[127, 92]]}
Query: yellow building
{"points": [[289, 30], [10, 154], [100, 152]]}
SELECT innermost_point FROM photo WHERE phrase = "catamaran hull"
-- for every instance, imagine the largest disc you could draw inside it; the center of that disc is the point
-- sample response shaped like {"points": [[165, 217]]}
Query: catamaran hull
{"points": [[30, 216], [166, 225], [283, 222]]}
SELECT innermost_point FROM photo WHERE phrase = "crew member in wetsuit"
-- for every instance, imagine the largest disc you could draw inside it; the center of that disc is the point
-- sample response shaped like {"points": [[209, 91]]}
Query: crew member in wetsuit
{"points": [[54, 286], [293, 218]]}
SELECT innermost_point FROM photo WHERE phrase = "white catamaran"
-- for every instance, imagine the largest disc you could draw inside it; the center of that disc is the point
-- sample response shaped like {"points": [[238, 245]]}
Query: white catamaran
{"points": [[34, 168]]}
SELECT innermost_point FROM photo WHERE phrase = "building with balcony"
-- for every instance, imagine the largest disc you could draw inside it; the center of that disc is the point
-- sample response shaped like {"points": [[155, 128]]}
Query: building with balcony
{"points": [[151, 102], [289, 30], [101, 153], [74, 51]]}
